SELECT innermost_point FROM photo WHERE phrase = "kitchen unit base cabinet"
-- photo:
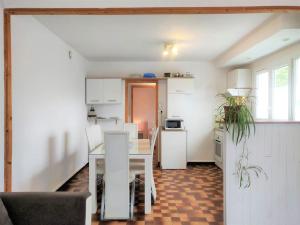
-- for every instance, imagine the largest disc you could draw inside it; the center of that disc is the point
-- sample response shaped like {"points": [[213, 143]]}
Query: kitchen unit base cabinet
{"points": [[173, 149]]}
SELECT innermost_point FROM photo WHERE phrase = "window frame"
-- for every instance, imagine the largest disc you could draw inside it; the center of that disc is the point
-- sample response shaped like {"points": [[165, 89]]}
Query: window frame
{"points": [[293, 97], [291, 87], [258, 72], [272, 78]]}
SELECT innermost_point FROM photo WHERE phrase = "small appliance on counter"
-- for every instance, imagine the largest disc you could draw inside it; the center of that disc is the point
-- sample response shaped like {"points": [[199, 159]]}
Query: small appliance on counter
{"points": [[92, 112], [174, 124], [167, 74]]}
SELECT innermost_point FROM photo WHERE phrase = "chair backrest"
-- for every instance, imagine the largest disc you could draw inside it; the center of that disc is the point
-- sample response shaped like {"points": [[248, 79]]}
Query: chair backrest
{"points": [[153, 139], [132, 129], [116, 200], [95, 136]]}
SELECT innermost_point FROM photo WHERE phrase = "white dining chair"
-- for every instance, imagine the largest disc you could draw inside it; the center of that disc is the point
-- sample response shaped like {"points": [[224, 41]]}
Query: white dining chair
{"points": [[138, 167], [132, 128], [119, 184], [95, 140]]}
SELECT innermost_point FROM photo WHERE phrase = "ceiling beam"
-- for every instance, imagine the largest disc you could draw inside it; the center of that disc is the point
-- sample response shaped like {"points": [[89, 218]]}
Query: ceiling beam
{"points": [[150, 10]]}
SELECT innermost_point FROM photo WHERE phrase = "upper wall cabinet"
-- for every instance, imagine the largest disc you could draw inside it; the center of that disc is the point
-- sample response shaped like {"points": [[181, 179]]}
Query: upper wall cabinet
{"points": [[239, 78], [112, 91], [103, 91], [180, 85], [94, 91]]}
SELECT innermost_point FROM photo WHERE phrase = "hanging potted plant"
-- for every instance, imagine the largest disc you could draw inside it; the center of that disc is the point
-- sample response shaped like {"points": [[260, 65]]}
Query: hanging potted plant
{"points": [[239, 123]]}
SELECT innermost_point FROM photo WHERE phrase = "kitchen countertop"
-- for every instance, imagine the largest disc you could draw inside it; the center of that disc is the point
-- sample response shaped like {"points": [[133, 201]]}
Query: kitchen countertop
{"points": [[273, 122], [278, 121], [164, 129]]}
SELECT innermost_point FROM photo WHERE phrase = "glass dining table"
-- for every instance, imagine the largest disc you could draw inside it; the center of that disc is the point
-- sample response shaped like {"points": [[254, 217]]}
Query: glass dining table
{"points": [[138, 149]]}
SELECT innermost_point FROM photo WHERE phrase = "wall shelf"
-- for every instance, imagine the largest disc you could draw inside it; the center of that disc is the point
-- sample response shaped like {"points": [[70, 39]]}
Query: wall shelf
{"points": [[101, 119]]}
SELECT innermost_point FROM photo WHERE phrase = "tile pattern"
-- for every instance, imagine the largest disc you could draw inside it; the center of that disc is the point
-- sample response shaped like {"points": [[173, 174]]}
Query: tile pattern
{"points": [[184, 197]]}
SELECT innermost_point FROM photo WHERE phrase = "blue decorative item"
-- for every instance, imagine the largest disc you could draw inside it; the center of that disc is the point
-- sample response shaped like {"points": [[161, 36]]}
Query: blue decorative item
{"points": [[149, 75]]}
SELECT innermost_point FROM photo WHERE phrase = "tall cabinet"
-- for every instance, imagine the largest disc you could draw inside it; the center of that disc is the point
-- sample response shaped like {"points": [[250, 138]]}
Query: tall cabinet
{"points": [[178, 90], [174, 144]]}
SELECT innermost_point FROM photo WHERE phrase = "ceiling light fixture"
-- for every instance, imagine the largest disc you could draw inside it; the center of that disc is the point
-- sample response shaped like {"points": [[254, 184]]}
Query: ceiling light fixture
{"points": [[170, 49], [174, 50], [165, 53]]}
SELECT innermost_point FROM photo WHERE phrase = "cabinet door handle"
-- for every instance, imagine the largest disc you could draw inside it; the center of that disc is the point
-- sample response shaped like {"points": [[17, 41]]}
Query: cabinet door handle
{"points": [[175, 116], [94, 100], [111, 100], [179, 91]]}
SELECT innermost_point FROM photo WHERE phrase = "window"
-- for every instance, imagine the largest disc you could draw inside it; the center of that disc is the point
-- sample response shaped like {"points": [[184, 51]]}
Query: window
{"points": [[297, 89], [262, 95], [272, 94], [280, 94]]}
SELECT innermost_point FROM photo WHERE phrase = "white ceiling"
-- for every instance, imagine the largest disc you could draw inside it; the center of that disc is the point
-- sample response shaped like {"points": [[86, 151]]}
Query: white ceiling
{"points": [[141, 38], [278, 32]]}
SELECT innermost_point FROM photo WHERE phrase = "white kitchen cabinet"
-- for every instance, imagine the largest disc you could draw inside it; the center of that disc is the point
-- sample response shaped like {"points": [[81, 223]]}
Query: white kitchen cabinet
{"points": [[94, 91], [173, 153], [239, 78], [103, 91], [180, 85], [112, 91], [176, 106]]}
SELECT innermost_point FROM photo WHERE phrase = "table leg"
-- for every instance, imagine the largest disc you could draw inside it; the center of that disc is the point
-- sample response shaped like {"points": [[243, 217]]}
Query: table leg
{"points": [[148, 169], [93, 183]]}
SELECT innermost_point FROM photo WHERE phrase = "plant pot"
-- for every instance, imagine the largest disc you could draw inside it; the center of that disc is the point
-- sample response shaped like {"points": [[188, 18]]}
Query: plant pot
{"points": [[231, 112]]}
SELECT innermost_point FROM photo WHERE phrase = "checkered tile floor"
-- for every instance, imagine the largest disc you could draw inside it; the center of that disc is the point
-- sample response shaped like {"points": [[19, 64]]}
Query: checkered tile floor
{"points": [[184, 197]]}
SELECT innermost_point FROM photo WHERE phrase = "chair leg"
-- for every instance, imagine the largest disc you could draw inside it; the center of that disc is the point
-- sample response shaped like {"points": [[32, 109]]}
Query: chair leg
{"points": [[153, 188], [102, 201], [132, 199]]}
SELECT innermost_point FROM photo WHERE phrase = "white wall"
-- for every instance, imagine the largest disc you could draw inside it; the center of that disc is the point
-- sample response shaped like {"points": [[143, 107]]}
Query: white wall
{"points": [[1, 103], [202, 104], [49, 112], [275, 201]]}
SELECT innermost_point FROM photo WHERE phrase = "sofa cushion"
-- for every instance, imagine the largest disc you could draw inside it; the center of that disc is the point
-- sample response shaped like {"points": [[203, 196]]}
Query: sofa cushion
{"points": [[4, 218], [46, 208]]}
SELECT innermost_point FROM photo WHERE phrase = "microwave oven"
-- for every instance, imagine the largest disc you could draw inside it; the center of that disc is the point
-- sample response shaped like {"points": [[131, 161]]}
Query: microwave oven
{"points": [[174, 124]]}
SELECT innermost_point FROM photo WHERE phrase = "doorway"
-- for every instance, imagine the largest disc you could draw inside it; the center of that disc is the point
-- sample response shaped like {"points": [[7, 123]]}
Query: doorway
{"points": [[141, 104], [141, 107]]}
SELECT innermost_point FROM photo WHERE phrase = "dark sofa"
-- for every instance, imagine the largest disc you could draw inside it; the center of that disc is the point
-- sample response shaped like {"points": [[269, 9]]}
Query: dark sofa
{"points": [[43, 208]]}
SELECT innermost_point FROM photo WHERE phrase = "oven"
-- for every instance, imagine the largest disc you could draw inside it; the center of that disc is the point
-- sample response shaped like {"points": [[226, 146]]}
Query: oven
{"points": [[219, 136]]}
